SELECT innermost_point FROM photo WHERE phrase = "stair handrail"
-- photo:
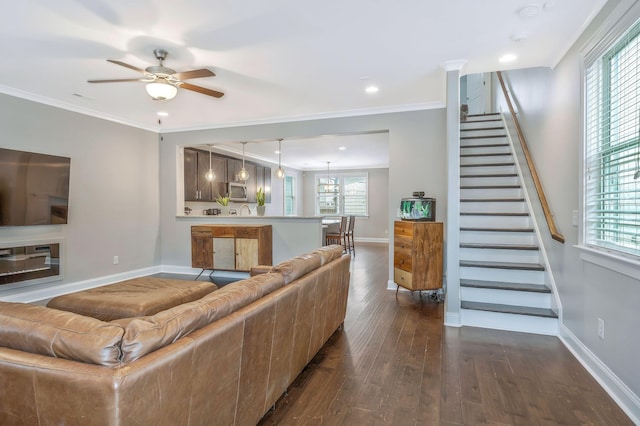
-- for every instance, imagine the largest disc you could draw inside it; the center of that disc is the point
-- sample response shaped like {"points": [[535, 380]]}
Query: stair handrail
{"points": [[534, 174]]}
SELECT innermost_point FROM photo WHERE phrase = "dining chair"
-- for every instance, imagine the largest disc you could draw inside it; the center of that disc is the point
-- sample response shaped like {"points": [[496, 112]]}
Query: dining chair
{"points": [[340, 236], [351, 245]]}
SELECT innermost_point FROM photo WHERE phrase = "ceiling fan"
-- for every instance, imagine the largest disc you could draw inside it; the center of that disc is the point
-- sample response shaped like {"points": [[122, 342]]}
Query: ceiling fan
{"points": [[163, 82]]}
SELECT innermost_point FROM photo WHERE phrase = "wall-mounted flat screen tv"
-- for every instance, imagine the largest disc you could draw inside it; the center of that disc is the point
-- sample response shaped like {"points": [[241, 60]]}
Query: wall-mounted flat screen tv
{"points": [[34, 188]]}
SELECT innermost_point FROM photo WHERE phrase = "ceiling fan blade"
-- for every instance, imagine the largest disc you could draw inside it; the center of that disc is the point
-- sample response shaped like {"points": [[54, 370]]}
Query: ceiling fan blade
{"points": [[202, 90], [194, 74], [131, 67], [117, 80]]}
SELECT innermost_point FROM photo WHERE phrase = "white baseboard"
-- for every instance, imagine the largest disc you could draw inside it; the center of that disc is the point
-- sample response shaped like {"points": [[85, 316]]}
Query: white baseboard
{"points": [[628, 401], [57, 290], [371, 240], [452, 320]]}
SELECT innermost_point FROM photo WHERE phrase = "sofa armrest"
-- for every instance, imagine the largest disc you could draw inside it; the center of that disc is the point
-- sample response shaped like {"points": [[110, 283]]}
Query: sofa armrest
{"points": [[259, 269]]}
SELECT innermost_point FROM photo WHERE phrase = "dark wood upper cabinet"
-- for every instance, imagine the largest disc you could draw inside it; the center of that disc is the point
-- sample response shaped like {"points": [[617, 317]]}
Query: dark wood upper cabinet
{"points": [[198, 188], [196, 166]]}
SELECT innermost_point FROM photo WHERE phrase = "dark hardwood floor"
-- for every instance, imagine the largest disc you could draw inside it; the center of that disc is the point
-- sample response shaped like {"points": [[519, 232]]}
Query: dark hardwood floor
{"points": [[396, 364]]}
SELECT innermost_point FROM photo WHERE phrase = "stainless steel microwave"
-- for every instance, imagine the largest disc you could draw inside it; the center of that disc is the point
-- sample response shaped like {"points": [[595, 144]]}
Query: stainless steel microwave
{"points": [[237, 191]]}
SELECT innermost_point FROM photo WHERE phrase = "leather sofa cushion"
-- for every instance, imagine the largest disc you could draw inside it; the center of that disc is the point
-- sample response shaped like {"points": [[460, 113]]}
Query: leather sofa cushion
{"points": [[298, 266], [45, 331], [132, 298], [147, 334], [329, 253]]}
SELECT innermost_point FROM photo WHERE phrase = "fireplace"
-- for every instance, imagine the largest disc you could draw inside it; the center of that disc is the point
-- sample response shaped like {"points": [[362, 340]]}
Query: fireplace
{"points": [[29, 262]]}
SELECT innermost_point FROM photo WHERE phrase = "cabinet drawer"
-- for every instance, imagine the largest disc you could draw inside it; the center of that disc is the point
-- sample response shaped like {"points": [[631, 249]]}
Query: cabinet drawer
{"points": [[402, 244], [402, 261], [403, 229], [246, 232], [403, 278], [201, 233], [222, 232]]}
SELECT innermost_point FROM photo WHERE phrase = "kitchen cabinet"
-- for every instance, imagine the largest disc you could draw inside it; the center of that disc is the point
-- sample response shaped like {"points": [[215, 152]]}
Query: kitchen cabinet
{"points": [[231, 247], [196, 166], [251, 182], [418, 255]]}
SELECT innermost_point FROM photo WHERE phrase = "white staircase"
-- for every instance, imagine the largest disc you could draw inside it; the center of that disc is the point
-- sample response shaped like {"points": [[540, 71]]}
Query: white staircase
{"points": [[503, 281]]}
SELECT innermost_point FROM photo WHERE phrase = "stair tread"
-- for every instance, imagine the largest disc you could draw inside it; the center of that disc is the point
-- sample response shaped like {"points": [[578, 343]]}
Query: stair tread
{"points": [[486, 145], [498, 285], [466, 228], [509, 309], [486, 154], [493, 214], [491, 200], [487, 165], [500, 246], [484, 114], [482, 137], [482, 128], [502, 265], [490, 187], [498, 175]]}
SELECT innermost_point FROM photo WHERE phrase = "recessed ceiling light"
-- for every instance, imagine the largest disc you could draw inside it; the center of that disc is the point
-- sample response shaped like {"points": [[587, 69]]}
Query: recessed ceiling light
{"points": [[342, 148], [163, 114], [508, 58], [276, 152], [371, 89]]}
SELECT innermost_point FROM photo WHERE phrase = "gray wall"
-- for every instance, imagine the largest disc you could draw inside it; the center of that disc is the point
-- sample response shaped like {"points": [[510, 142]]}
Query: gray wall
{"points": [[549, 102], [376, 226], [114, 192], [416, 157]]}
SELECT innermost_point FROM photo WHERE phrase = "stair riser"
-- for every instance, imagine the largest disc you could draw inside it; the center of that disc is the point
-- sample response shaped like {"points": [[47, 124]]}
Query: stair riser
{"points": [[488, 132], [501, 206], [482, 193], [497, 237], [487, 170], [483, 117], [480, 124], [465, 143], [506, 297], [485, 150], [503, 275], [502, 159], [510, 322], [495, 221], [466, 181], [499, 255]]}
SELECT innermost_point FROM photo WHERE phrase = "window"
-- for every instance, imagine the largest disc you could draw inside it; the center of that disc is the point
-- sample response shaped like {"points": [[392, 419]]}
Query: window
{"points": [[612, 151], [289, 196], [342, 194]]}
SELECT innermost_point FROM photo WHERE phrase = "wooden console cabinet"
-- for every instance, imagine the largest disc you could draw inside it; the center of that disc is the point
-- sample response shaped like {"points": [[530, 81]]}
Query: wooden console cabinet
{"points": [[418, 255], [230, 247]]}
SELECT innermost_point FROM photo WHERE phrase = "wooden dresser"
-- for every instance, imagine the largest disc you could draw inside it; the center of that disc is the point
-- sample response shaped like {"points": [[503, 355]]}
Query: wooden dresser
{"points": [[418, 255], [230, 247]]}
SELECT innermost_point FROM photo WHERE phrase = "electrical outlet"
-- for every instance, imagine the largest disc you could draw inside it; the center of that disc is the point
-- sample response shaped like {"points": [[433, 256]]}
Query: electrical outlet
{"points": [[116, 260], [601, 328]]}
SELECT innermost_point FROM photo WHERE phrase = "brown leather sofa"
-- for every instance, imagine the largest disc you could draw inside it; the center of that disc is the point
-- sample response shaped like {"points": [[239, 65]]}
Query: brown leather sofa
{"points": [[223, 359]]}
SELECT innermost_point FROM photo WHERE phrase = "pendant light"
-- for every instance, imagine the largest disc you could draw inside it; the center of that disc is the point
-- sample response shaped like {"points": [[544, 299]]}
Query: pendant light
{"points": [[210, 176], [280, 171], [243, 174]]}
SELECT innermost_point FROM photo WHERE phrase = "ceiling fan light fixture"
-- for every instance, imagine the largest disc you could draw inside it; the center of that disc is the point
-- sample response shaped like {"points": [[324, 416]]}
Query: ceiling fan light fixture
{"points": [[161, 91]]}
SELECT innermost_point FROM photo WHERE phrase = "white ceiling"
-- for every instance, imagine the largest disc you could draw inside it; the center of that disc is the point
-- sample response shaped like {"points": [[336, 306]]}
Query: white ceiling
{"points": [[275, 60]]}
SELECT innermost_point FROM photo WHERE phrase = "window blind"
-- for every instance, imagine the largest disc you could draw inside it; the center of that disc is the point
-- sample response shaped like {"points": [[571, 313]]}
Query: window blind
{"points": [[345, 194], [612, 150]]}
